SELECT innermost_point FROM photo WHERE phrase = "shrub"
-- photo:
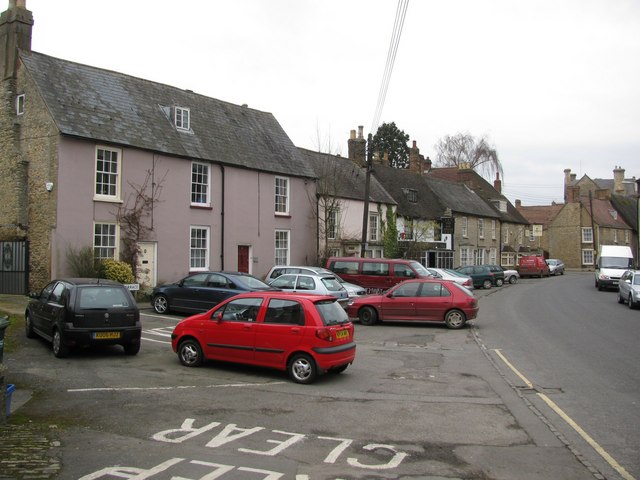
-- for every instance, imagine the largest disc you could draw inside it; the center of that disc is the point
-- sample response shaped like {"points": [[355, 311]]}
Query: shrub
{"points": [[118, 271], [82, 262]]}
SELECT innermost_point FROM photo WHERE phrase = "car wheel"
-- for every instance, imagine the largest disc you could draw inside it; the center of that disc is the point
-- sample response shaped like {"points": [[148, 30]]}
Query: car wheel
{"points": [[620, 299], [513, 279], [631, 303], [302, 368], [339, 369], [28, 326], [190, 353], [60, 350], [486, 284], [161, 304], [499, 282], [131, 348], [455, 319], [368, 316]]}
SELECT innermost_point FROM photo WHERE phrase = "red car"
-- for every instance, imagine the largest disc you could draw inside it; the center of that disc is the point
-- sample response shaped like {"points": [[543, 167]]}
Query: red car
{"points": [[306, 335], [418, 300]]}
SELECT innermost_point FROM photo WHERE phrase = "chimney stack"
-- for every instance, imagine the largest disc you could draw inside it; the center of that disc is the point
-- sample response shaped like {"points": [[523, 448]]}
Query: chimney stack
{"points": [[357, 147], [416, 161], [497, 183], [15, 33], [518, 203], [618, 180]]}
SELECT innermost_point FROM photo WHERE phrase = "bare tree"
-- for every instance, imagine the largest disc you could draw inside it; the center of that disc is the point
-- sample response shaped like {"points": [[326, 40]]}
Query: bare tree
{"points": [[135, 217], [464, 150]]}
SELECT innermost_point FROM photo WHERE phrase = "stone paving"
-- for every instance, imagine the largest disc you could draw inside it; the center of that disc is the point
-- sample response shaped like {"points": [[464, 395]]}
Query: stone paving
{"points": [[27, 451]]}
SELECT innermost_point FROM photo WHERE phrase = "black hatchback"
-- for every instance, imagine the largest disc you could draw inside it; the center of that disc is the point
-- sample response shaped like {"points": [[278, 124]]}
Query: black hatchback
{"points": [[79, 312]]}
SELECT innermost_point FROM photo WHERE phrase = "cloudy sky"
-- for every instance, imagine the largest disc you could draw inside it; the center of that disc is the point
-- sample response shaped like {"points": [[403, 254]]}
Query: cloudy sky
{"points": [[554, 84]]}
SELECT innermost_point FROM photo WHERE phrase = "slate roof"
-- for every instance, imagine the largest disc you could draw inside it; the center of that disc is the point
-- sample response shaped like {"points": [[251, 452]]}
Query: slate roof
{"points": [[627, 207], [348, 178], [484, 190], [106, 106], [604, 214], [433, 196]]}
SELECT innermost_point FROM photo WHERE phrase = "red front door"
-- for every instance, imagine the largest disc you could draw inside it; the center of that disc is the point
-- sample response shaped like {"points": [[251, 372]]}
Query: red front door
{"points": [[243, 258]]}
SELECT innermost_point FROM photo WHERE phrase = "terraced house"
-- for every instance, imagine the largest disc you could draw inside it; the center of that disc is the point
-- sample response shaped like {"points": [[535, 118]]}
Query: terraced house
{"points": [[95, 158]]}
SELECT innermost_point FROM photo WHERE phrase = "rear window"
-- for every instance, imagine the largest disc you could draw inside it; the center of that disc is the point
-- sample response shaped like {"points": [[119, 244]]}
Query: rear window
{"points": [[332, 284], [465, 290], [331, 312], [104, 297]]}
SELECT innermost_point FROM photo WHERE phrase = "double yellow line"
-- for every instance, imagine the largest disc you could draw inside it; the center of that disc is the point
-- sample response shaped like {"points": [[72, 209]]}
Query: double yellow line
{"points": [[587, 438]]}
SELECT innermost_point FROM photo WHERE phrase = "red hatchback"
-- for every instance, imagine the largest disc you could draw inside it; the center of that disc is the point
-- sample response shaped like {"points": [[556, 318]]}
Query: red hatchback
{"points": [[418, 300], [306, 335]]}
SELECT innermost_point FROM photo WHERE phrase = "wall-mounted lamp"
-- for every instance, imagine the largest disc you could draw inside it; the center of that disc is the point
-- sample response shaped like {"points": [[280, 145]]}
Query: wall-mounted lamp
{"points": [[48, 186]]}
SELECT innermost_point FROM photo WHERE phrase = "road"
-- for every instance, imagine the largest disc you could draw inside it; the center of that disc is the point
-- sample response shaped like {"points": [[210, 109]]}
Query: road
{"points": [[420, 401], [579, 348]]}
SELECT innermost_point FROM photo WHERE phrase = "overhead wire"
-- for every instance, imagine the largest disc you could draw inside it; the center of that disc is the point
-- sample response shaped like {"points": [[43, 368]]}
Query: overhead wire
{"points": [[398, 25]]}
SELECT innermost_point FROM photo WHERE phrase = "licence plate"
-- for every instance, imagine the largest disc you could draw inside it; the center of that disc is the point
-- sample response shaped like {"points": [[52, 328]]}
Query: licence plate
{"points": [[342, 334], [106, 335]]}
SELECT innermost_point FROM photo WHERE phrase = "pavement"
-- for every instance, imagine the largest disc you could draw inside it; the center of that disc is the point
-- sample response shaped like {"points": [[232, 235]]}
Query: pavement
{"points": [[28, 449]]}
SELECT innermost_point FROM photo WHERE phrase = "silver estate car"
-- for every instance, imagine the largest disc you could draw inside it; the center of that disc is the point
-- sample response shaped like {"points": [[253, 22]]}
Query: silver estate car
{"points": [[629, 288]]}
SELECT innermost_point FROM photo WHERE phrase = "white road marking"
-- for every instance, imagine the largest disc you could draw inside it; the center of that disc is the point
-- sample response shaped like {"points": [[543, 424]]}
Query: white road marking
{"points": [[179, 387]]}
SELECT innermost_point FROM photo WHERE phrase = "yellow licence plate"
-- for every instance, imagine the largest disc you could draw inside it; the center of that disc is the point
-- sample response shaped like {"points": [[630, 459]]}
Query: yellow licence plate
{"points": [[106, 335], [342, 334]]}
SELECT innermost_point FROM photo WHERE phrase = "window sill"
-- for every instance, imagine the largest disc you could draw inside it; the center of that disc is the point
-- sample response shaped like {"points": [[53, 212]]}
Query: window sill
{"points": [[201, 207], [282, 215]]}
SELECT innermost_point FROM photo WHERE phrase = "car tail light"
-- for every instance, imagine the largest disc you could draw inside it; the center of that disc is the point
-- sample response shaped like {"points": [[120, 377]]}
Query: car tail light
{"points": [[324, 334]]}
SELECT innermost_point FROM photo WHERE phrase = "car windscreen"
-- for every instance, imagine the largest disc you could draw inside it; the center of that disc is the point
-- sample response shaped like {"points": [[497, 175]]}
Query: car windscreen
{"points": [[331, 312], [417, 266], [615, 262]]}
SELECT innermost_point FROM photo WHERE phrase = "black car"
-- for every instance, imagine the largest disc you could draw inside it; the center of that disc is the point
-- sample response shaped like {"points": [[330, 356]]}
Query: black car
{"points": [[202, 291], [498, 274], [481, 275], [79, 312]]}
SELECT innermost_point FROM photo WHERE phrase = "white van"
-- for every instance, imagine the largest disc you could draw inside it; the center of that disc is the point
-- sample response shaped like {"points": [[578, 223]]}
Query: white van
{"points": [[613, 261]]}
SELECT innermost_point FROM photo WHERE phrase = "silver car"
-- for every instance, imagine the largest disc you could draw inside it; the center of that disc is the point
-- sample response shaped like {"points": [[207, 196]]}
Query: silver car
{"points": [[556, 267], [321, 284], [629, 288], [352, 289]]}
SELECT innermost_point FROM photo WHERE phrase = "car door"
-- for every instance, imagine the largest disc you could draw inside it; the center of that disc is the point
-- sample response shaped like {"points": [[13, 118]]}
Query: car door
{"points": [[37, 308], [399, 304], [433, 302], [230, 333], [279, 332], [188, 294]]}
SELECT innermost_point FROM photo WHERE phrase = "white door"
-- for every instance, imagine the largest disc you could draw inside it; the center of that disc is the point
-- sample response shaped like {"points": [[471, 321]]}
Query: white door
{"points": [[146, 264]]}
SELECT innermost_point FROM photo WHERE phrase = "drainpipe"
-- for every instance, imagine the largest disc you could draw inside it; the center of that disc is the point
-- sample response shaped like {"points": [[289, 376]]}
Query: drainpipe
{"points": [[222, 218]]}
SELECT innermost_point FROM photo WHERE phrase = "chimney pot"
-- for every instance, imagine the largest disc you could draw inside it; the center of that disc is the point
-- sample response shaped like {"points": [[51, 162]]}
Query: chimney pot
{"points": [[360, 131]]}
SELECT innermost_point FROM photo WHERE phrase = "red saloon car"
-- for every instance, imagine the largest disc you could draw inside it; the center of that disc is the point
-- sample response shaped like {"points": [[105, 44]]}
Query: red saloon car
{"points": [[306, 335], [418, 300]]}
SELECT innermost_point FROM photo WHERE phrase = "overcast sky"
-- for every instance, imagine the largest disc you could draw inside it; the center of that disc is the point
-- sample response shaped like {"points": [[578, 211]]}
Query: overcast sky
{"points": [[554, 84]]}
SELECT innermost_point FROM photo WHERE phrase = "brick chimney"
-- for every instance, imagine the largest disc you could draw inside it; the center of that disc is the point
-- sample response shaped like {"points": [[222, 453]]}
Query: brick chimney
{"points": [[497, 183], [15, 33], [573, 194], [466, 175], [518, 203], [618, 179], [357, 147], [417, 162]]}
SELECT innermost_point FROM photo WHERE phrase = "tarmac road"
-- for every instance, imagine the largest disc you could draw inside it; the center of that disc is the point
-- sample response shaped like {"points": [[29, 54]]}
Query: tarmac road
{"points": [[419, 402]]}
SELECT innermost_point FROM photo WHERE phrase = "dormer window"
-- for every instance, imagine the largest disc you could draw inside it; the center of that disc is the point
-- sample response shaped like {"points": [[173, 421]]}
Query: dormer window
{"points": [[411, 195], [20, 104], [182, 118]]}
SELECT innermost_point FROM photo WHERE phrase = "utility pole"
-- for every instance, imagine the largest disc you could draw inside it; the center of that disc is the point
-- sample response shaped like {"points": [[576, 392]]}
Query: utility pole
{"points": [[365, 213]]}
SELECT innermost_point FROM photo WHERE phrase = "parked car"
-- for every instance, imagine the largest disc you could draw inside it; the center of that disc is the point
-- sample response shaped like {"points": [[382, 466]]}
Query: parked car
{"points": [[452, 276], [417, 300], [556, 267], [305, 335], [352, 289], [510, 275], [629, 288], [201, 291], [320, 284], [533, 266], [80, 312], [481, 275], [498, 274], [376, 274]]}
